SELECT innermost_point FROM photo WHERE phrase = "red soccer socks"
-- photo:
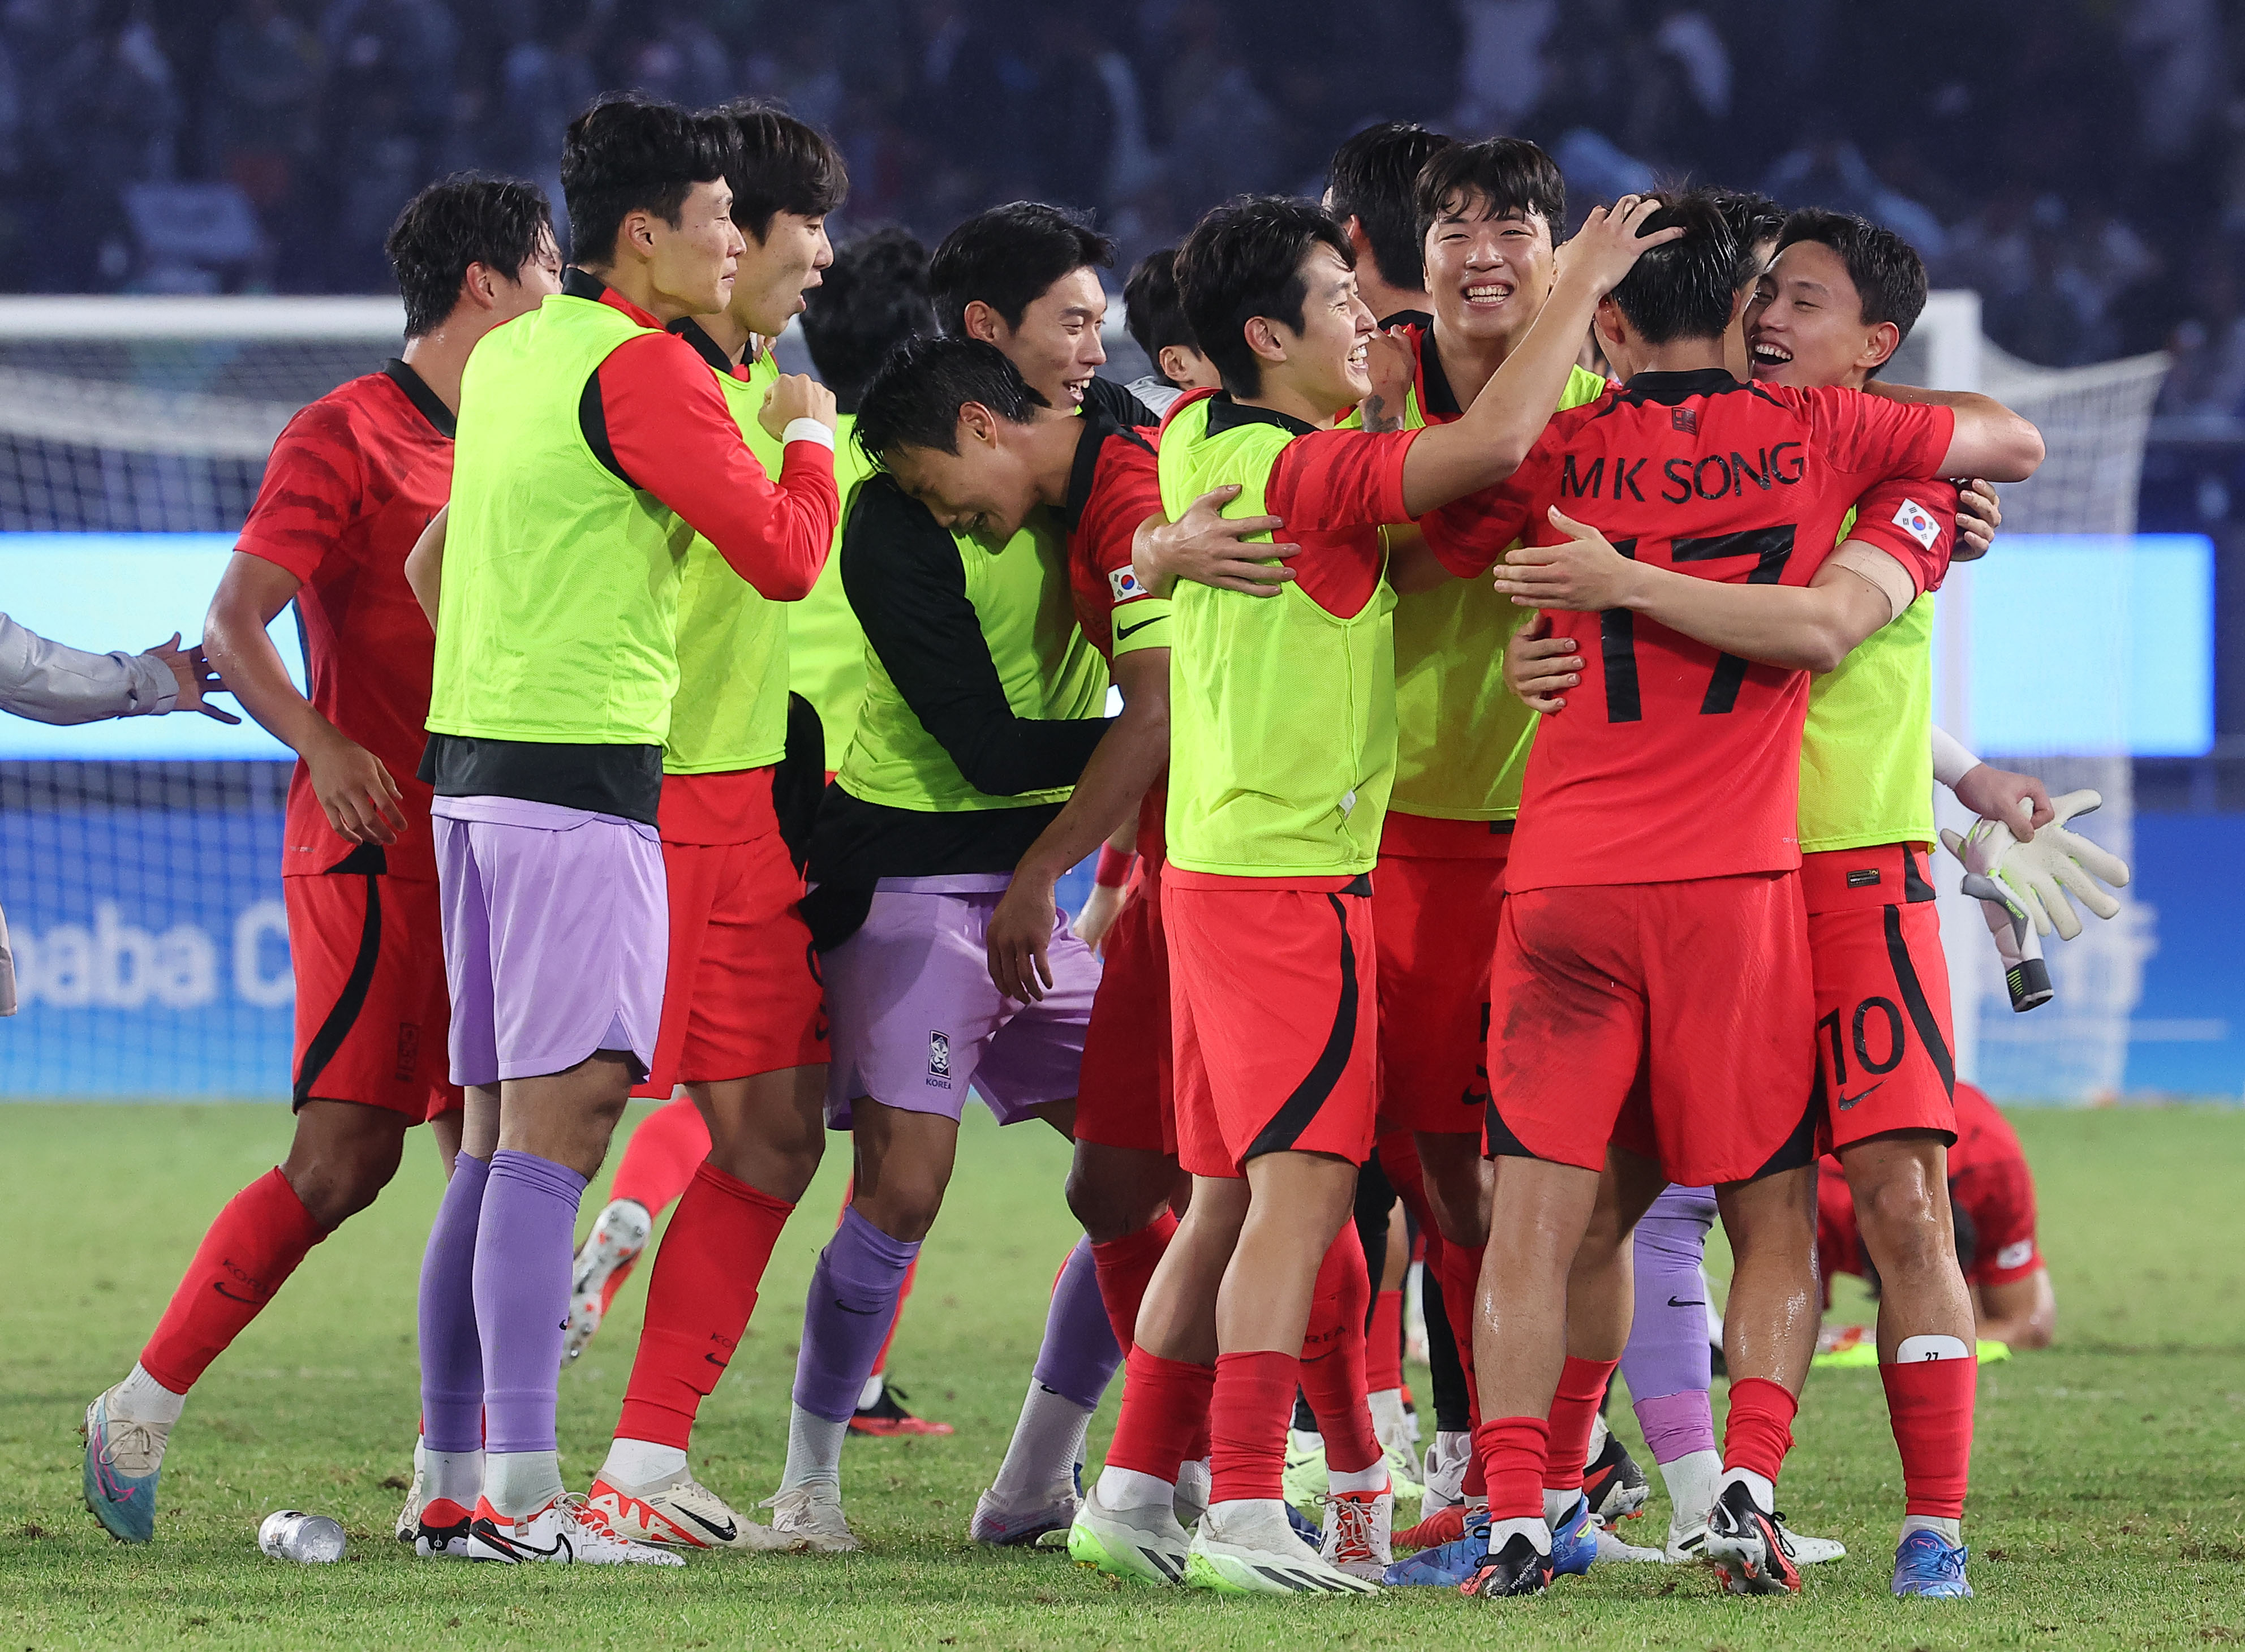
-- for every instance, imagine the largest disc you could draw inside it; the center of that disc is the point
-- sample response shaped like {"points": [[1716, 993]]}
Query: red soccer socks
{"points": [[1930, 1405], [1574, 1415], [1510, 1451], [698, 1302], [1332, 1356], [253, 1247], [1247, 1425], [1760, 1430], [1164, 1420], [1126, 1268]]}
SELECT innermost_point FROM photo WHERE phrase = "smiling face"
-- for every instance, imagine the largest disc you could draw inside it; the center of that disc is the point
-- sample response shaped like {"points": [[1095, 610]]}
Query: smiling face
{"points": [[1324, 363], [987, 489], [778, 271], [1805, 325], [691, 264], [1487, 276], [1056, 347]]}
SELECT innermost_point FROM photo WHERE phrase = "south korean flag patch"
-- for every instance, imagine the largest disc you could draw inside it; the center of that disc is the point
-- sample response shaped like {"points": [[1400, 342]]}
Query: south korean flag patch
{"points": [[1124, 583], [1917, 521]]}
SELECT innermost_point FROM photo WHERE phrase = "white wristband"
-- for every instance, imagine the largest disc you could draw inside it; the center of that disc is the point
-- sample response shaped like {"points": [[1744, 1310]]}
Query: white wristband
{"points": [[1951, 761], [807, 430]]}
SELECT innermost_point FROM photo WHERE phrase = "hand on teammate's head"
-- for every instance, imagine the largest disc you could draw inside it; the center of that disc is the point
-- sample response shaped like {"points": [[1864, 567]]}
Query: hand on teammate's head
{"points": [[1611, 241]]}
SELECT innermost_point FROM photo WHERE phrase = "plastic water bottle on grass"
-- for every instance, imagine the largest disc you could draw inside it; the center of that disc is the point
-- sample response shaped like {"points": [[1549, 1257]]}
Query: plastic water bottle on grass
{"points": [[291, 1534]]}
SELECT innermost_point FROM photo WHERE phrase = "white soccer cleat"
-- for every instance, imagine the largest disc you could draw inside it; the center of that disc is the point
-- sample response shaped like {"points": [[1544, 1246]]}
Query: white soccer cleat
{"points": [[1811, 1551], [619, 1235], [1443, 1472], [1143, 1545], [680, 1514], [566, 1531], [1194, 1485], [1248, 1548], [1359, 1533], [1610, 1547], [810, 1517]]}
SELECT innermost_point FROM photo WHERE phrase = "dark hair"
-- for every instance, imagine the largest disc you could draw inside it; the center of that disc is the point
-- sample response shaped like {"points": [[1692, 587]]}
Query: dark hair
{"points": [[1151, 310], [1008, 258], [466, 219], [1510, 176], [1687, 288], [915, 398], [1371, 180], [630, 153], [1888, 275], [873, 298], [775, 164], [1754, 220], [1242, 259]]}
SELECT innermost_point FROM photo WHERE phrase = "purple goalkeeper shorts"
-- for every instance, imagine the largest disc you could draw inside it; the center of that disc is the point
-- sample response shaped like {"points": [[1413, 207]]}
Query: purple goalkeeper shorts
{"points": [[557, 932], [916, 1018]]}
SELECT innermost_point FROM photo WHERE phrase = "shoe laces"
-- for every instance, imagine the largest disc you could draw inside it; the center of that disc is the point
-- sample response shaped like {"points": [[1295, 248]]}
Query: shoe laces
{"points": [[122, 1438], [1350, 1515]]}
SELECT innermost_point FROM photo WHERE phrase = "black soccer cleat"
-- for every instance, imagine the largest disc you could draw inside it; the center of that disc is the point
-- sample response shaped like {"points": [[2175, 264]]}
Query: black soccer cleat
{"points": [[1614, 1484], [1747, 1548], [1515, 1569]]}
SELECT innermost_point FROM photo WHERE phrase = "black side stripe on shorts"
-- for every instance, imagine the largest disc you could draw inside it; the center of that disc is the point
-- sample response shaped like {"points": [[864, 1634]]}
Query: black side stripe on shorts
{"points": [[1797, 1149], [352, 999], [1914, 1000], [1294, 1116]]}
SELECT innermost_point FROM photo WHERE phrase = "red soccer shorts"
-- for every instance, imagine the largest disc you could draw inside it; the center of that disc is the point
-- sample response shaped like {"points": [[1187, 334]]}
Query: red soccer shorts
{"points": [[1124, 1099], [1669, 1020], [743, 995], [1437, 921], [371, 1004], [1884, 1045], [1273, 1001]]}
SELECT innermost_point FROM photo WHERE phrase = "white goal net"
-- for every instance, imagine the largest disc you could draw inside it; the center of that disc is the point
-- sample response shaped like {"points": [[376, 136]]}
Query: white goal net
{"points": [[2094, 421]]}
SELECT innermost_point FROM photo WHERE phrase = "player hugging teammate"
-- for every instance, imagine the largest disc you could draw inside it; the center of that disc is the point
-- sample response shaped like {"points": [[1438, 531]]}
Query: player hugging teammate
{"points": [[1557, 972]]}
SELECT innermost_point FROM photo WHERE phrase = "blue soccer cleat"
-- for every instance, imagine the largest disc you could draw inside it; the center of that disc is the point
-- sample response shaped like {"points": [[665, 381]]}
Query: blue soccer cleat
{"points": [[1575, 1541], [1305, 1528], [124, 1460], [1450, 1564], [1926, 1565]]}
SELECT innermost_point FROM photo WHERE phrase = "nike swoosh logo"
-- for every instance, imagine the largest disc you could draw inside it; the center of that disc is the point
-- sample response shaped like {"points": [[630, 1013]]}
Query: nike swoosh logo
{"points": [[516, 1545], [1846, 1101], [1675, 1302], [220, 1287], [847, 1309], [1121, 632], [713, 1360], [724, 1534]]}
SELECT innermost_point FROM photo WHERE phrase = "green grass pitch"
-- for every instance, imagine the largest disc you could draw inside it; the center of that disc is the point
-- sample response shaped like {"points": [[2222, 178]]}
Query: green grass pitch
{"points": [[2109, 1480]]}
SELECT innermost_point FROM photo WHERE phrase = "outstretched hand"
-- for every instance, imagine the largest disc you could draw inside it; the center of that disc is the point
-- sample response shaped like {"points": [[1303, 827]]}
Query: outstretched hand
{"points": [[196, 679]]}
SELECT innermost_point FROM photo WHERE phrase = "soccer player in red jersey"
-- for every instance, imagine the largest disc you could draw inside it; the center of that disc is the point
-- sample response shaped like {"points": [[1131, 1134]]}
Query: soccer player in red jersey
{"points": [[1665, 953], [351, 483], [1831, 310], [1992, 1197], [958, 427]]}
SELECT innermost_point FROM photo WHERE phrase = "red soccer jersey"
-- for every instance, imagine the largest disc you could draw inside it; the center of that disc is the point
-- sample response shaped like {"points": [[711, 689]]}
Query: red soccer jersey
{"points": [[352, 481], [1334, 490], [1673, 759], [1114, 487], [1914, 520]]}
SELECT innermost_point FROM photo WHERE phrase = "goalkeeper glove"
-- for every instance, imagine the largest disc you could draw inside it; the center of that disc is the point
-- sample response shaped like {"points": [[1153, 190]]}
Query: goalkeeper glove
{"points": [[2040, 873], [2026, 977]]}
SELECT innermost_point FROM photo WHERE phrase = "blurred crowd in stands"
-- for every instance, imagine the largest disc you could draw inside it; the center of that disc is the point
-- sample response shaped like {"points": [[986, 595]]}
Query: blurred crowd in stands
{"points": [[2080, 162]]}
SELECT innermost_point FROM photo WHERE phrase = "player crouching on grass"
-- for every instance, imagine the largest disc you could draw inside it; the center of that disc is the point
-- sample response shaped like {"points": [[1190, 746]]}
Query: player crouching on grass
{"points": [[1283, 751], [593, 447], [351, 484], [744, 1022], [1669, 958]]}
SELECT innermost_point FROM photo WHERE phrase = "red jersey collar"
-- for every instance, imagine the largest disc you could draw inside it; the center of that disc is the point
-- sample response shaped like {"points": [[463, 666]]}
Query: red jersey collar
{"points": [[577, 283]]}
